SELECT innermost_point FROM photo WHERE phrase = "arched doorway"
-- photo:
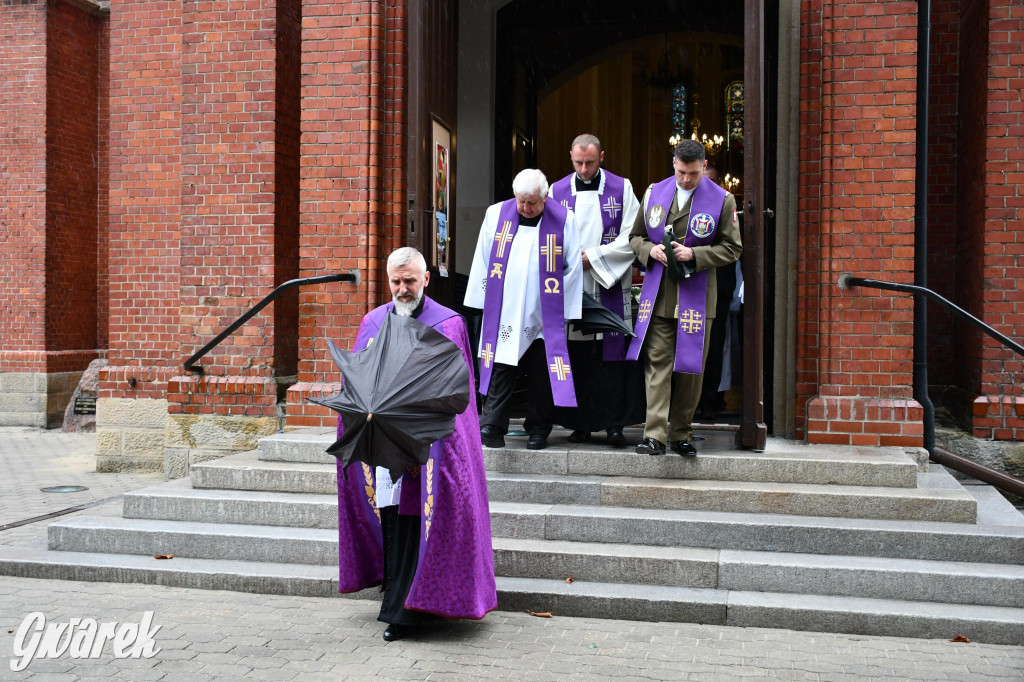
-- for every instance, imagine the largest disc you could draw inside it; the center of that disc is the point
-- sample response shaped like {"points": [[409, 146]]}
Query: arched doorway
{"points": [[534, 75]]}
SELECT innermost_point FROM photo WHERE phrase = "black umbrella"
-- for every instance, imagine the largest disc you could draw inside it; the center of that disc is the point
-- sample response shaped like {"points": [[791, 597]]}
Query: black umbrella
{"points": [[399, 395], [595, 319]]}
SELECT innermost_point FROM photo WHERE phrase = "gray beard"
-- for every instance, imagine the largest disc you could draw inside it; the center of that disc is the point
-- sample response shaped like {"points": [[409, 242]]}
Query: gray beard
{"points": [[407, 309]]}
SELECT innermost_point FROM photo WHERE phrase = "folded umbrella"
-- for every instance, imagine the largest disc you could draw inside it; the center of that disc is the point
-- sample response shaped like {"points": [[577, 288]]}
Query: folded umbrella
{"points": [[596, 319], [399, 395]]}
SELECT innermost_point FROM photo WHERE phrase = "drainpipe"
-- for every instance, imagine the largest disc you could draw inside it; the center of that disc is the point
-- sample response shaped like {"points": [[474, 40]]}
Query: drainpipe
{"points": [[921, 225]]}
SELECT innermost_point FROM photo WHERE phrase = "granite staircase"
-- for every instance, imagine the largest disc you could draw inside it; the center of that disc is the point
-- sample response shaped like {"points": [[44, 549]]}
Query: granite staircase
{"points": [[834, 539]]}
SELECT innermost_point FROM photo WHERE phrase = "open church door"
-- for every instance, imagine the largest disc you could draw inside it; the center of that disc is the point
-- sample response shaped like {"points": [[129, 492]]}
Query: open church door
{"points": [[753, 430], [433, 100]]}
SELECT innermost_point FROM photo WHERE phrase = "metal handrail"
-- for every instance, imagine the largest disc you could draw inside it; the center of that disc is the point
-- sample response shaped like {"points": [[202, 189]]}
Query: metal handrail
{"points": [[343, 277], [848, 281], [994, 477]]}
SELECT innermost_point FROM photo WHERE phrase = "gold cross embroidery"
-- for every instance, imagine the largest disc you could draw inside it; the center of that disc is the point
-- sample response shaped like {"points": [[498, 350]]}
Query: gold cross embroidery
{"points": [[645, 311], [560, 368], [487, 355], [503, 237], [551, 250], [690, 321]]}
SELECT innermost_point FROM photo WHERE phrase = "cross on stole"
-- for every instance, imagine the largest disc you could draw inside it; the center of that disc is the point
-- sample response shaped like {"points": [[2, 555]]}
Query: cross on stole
{"points": [[559, 368], [645, 310], [503, 237], [551, 250], [487, 355], [612, 208], [690, 321]]}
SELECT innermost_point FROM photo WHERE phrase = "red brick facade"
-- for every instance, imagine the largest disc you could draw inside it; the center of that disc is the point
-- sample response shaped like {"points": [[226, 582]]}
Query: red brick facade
{"points": [[205, 154]]}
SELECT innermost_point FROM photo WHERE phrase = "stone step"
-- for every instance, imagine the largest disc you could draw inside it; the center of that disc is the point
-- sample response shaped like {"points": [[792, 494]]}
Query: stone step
{"points": [[178, 501], [781, 462], [854, 615], [917, 504], [246, 472], [877, 617]]}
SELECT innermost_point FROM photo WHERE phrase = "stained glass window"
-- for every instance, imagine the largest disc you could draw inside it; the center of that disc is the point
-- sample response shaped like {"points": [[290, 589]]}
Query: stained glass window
{"points": [[734, 114], [678, 110]]}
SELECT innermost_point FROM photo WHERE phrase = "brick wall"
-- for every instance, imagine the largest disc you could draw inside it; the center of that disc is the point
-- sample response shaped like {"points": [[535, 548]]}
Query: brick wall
{"points": [[353, 140], [998, 412], [856, 348], [71, 183], [942, 191], [22, 184]]}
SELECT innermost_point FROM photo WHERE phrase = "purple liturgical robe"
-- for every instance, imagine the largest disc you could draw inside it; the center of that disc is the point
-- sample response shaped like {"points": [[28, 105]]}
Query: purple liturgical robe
{"points": [[455, 573]]}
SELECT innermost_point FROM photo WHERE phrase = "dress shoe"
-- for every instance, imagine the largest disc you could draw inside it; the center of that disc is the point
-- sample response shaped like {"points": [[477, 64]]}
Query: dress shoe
{"points": [[615, 437], [684, 448], [579, 436], [491, 437], [395, 631], [537, 442], [650, 446]]}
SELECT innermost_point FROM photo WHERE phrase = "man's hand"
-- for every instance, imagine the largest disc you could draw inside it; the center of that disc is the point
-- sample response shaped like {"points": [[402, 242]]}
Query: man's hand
{"points": [[682, 253], [586, 261], [658, 253]]}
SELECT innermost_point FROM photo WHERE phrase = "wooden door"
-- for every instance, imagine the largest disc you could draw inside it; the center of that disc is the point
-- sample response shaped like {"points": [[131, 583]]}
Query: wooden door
{"points": [[433, 140], [753, 430]]}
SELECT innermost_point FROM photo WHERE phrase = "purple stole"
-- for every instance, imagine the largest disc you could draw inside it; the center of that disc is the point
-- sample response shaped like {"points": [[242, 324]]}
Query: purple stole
{"points": [[611, 219], [552, 298], [432, 315], [705, 209]]}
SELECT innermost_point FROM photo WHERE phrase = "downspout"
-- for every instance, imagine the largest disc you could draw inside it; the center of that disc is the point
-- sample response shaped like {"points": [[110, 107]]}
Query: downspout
{"points": [[376, 271], [921, 225]]}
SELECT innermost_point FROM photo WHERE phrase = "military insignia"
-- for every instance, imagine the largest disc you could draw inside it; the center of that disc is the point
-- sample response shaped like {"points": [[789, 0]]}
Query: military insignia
{"points": [[655, 215], [702, 224]]}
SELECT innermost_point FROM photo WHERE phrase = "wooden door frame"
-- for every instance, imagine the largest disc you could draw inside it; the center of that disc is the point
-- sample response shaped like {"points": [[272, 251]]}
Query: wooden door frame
{"points": [[753, 432]]}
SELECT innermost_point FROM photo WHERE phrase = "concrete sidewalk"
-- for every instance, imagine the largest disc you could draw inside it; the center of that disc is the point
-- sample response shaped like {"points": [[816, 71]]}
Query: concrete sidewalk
{"points": [[206, 635]]}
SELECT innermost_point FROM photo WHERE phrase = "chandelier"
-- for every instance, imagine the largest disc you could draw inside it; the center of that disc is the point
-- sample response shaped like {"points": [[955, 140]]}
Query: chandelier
{"points": [[711, 144]]}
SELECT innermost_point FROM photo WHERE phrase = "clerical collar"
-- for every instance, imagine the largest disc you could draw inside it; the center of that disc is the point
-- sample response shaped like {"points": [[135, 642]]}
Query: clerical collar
{"points": [[584, 186], [417, 311], [530, 222]]}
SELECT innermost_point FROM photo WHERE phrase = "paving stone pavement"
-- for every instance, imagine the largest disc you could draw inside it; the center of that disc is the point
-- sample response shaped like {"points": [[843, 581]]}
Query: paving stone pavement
{"points": [[207, 635]]}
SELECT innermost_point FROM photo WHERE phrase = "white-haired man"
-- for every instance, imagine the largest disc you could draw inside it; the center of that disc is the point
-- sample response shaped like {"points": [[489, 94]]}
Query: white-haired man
{"points": [[609, 390], [527, 278], [396, 540]]}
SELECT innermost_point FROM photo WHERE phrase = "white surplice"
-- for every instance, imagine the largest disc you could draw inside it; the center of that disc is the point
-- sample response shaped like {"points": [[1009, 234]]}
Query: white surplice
{"points": [[521, 323], [611, 264]]}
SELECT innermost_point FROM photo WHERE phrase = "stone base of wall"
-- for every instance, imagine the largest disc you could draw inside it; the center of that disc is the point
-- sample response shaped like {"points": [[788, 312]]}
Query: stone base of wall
{"points": [[194, 438], [130, 434], [1005, 456], [36, 399]]}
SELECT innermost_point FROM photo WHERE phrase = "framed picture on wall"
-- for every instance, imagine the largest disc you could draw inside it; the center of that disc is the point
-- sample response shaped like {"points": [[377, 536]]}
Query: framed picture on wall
{"points": [[442, 182]]}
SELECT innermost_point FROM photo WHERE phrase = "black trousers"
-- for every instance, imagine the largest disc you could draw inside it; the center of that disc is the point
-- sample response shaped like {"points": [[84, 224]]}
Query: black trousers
{"points": [[540, 408], [401, 556]]}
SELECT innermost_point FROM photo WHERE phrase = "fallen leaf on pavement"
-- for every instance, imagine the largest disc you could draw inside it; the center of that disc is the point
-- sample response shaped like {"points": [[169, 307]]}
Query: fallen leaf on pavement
{"points": [[163, 556], [544, 614], [961, 638], [569, 580]]}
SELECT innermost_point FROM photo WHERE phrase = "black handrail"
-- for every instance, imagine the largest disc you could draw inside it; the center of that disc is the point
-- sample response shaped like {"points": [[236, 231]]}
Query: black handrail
{"points": [[993, 477], [847, 281], [343, 277]]}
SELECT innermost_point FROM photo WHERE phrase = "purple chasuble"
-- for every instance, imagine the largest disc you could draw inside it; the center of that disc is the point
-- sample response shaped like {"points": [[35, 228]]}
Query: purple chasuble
{"points": [[552, 298], [705, 209], [455, 572], [610, 199]]}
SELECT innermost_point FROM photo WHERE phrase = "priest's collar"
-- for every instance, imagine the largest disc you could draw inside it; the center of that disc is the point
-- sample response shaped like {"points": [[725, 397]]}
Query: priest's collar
{"points": [[530, 222], [584, 186]]}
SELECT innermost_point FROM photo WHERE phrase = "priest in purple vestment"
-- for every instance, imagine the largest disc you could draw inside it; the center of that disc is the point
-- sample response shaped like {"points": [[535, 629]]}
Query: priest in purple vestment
{"points": [[425, 538]]}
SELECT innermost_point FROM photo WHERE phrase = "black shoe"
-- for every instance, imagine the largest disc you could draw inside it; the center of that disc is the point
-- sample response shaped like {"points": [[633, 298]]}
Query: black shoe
{"points": [[615, 437], [579, 436], [537, 442], [650, 446], [394, 631], [684, 448], [492, 437]]}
